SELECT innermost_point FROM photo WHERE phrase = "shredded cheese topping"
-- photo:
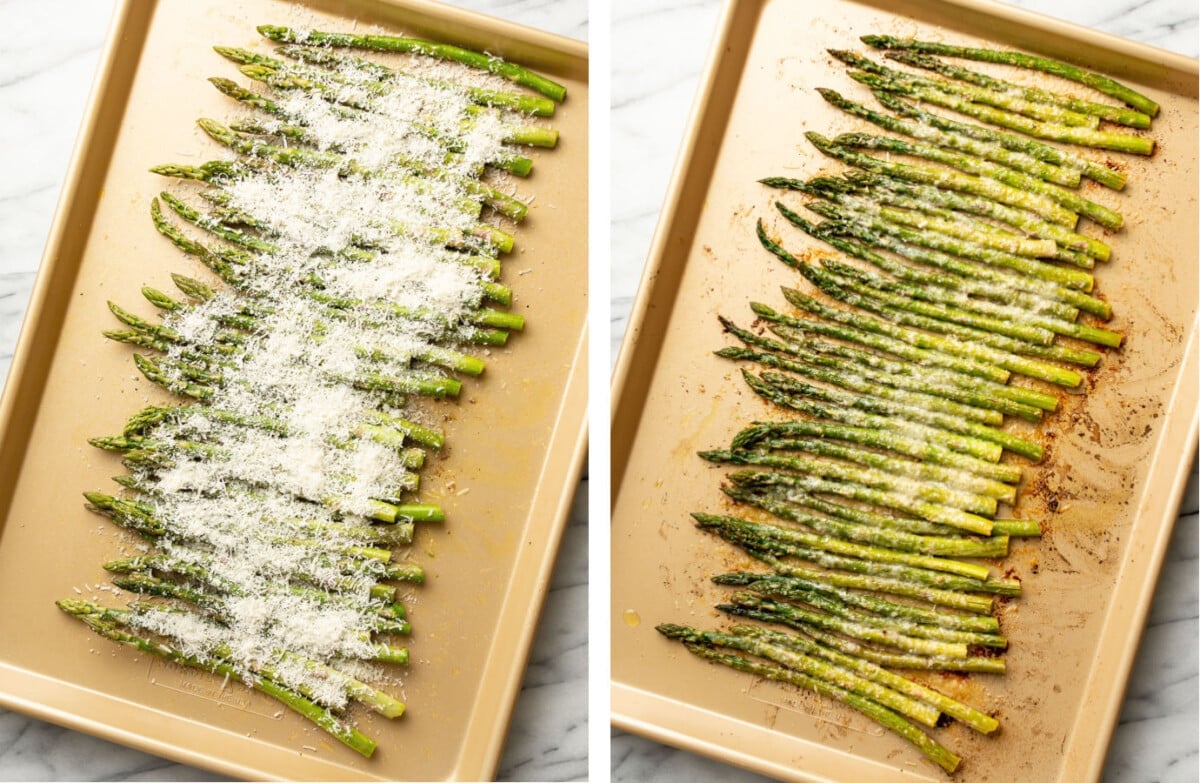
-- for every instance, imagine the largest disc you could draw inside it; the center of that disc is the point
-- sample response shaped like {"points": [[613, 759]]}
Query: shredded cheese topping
{"points": [[353, 241]]}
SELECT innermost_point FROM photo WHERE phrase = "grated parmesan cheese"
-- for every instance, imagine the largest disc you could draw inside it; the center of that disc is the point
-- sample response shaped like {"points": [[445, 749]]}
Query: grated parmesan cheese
{"points": [[261, 489]]}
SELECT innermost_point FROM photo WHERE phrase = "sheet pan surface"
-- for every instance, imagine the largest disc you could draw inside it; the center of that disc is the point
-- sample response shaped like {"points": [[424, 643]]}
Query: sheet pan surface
{"points": [[516, 439], [1119, 452]]}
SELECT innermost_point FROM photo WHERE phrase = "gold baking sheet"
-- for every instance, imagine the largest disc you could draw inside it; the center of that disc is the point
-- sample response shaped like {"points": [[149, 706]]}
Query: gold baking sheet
{"points": [[1119, 452], [515, 439]]}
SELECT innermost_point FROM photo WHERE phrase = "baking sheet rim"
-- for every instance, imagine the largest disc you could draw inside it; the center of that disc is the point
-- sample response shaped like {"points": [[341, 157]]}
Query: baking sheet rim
{"points": [[1122, 654], [573, 400]]}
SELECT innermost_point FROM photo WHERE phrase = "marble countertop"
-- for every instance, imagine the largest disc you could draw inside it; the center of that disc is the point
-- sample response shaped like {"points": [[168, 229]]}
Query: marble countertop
{"points": [[46, 76], [44, 86], [654, 78]]}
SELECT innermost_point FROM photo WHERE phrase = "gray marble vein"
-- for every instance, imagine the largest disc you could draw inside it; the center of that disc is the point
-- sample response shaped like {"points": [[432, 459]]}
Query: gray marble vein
{"points": [[654, 79], [45, 78], [1169, 25]]}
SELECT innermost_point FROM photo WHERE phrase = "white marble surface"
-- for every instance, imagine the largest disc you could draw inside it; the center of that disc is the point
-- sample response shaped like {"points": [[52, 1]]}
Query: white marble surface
{"points": [[45, 75], [654, 79]]}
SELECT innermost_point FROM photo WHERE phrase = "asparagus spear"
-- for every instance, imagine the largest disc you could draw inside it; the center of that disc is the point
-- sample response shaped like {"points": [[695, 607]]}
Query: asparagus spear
{"points": [[977, 663], [376, 700], [917, 577], [870, 367], [1000, 527], [1046, 152], [527, 104], [326, 82], [813, 667], [392, 43], [239, 238], [300, 133], [893, 497], [981, 722], [783, 506], [154, 415], [949, 204], [215, 606], [964, 444], [869, 229], [1069, 199], [1117, 114], [908, 244], [902, 296], [880, 714], [951, 180], [800, 618], [961, 342], [954, 385], [322, 717], [883, 614], [1015, 160], [874, 520], [863, 383], [972, 231], [1087, 137], [889, 478], [220, 227], [1003, 99], [867, 222], [953, 599], [966, 340], [1050, 324], [849, 549], [231, 345], [201, 567], [908, 413], [299, 157], [1044, 64], [347, 102], [227, 272], [250, 320], [916, 214], [192, 381], [1033, 328], [776, 434], [855, 328]]}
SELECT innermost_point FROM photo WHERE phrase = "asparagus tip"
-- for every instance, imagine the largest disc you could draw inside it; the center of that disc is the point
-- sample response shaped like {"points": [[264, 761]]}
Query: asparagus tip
{"points": [[279, 33], [98, 499], [736, 578], [76, 606], [211, 126]]}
